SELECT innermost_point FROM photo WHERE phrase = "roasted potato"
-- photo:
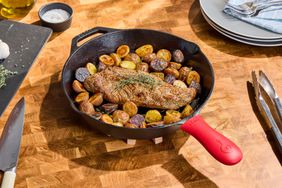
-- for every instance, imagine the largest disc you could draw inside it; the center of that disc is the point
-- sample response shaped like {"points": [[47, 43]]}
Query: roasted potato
{"points": [[128, 65], [193, 75], [107, 119], [78, 87], [170, 119], [158, 65], [149, 57], [183, 73], [169, 79], [82, 97], [101, 66], [196, 85], [164, 54], [96, 99], [107, 60], [179, 84], [91, 68], [173, 113], [86, 107], [178, 56], [137, 120], [123, 50], [81, 74], [97, 115], [153, 116], [187, 111], [118, 124], [132, 57], [172, 72], [130, 125], [155, 124], [130, 108], [158, 74], [120, 116], [116, 59], [174, 65], [144, 50], [142, 67], [109, 108]]}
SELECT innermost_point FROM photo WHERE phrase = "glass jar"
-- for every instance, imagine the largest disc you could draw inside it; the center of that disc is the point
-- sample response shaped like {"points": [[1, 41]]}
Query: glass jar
{"points": [[14, 9]]}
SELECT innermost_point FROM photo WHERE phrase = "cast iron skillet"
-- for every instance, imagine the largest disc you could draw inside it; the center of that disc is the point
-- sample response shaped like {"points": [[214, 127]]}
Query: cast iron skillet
{"points": [[107, 42]]}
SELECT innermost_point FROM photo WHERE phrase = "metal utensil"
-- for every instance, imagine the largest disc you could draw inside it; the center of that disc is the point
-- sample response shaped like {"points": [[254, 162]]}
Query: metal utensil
{"points": [[10, 144], [268, 87], [263, 107]]}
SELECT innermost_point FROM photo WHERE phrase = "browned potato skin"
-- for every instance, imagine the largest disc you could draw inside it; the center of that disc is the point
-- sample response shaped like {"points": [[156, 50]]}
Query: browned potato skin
{"points": [[82, 97], [172, 72], [170, 119], [107, 60], [187, 111], [142, 67], [159, 123], [130, 108], [107, 119], [96, 99], [153, 116], [130, 125], [183, 73], [91, 68], [77, 86], [142, 51], [158, 74], [116, 58], [87, 108], [174, 65], [123, 50], [118, 124], [149, 57], [133, 57], [173, 113], [193, 75], [120, 116], [164, 54]]}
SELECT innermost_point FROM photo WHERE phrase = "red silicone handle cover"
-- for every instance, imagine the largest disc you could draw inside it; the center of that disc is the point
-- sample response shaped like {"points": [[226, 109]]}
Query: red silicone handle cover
{"points": [[220, 147]]}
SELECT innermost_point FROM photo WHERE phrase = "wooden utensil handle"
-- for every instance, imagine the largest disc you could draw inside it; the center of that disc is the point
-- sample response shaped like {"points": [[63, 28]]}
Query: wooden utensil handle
{"points": [[220, 147], [8, 179]]}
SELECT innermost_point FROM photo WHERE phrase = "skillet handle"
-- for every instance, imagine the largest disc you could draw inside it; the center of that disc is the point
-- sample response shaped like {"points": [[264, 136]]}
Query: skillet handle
{"points": [[88, 33], [220, 147]]}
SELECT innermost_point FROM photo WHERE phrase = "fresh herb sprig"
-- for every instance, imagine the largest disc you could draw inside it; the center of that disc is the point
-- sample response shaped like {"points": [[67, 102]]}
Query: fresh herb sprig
{"points": [[143, 79]]}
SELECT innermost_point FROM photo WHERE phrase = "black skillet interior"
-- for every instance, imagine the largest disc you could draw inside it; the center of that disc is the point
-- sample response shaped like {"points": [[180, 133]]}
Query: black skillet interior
{"points": [[134, 38]]}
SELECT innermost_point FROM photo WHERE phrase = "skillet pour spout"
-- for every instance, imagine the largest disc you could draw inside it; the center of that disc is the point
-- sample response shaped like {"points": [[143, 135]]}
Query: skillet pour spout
{"points": [[107, 42]]}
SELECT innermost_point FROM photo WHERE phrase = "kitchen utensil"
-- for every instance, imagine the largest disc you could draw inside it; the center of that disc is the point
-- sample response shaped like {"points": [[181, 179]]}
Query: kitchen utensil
{"points": [[213, 9], [242, 39], [265, 110], [107, 42], [60, 26], [268, 87], [10, 144], [25, 42]]}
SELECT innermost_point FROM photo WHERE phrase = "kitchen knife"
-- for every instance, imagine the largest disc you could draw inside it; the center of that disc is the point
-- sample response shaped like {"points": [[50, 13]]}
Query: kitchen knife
{"points": [[10, 144]]}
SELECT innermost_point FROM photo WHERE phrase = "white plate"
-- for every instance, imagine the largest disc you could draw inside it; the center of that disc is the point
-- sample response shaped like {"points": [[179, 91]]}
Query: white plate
{"points": [[214, 10], [239, 36], [262, 44]]}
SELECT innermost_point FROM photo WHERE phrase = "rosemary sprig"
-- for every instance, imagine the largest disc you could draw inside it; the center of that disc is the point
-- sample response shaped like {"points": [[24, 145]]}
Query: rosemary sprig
{"points": [[4, 74], [143, 79]]}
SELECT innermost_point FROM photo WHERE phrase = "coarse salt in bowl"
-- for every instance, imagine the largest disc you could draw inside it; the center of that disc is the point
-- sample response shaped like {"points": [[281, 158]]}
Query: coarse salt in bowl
{"points": [[57, 16]]}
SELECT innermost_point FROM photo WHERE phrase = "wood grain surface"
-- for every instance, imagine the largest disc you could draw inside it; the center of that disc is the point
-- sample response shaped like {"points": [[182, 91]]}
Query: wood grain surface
{"points": [[58, 150]]}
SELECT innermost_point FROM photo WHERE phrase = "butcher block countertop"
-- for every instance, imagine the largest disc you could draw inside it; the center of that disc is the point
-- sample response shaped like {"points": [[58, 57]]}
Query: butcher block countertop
{"points": [[59, 150]]}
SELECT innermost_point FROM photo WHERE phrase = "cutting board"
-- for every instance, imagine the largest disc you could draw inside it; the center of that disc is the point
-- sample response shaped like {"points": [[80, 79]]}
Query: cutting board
{"points": [[25, 42]]}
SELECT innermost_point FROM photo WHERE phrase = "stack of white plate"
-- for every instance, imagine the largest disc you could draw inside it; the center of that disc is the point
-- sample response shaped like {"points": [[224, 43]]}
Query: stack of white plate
{"points": [[235, 29]]}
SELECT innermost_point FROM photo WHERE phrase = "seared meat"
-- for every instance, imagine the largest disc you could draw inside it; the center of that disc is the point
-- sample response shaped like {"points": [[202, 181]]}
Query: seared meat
{"points": [[119, 85]]}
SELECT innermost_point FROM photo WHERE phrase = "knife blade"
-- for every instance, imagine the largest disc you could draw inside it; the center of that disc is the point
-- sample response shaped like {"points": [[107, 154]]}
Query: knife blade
{"points": [[10, 144]]}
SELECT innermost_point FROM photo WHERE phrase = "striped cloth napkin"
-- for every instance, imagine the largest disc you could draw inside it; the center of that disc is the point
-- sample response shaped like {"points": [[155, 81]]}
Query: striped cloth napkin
{"points": [[269, 18]]}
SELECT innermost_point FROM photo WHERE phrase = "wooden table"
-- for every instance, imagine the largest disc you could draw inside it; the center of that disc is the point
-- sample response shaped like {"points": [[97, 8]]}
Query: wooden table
{"points": [[59, 151]]}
